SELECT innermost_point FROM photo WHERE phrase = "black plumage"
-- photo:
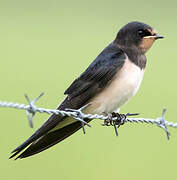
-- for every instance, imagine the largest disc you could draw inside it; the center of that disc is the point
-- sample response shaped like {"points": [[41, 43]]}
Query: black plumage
{"points": [[92, 81]]}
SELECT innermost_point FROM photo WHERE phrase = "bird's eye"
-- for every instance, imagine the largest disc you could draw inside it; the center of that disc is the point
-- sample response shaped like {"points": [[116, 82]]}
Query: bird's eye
{"points": [[144, 32], [140, 32]]}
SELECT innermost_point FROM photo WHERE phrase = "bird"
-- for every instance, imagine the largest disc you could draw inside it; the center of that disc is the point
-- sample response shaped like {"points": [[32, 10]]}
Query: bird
{"points": [[108, 83]]}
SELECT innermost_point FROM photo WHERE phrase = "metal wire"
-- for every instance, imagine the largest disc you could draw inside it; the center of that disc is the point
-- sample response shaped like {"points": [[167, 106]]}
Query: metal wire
{"points": [[77, 114]]}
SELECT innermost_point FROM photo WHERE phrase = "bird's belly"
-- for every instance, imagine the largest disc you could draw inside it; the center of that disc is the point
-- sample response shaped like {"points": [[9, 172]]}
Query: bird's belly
{"points": [[124, 85]]}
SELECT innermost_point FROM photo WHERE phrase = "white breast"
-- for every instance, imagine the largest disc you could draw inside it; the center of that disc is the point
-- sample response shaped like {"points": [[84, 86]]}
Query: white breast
{"points": [[124, 85]]}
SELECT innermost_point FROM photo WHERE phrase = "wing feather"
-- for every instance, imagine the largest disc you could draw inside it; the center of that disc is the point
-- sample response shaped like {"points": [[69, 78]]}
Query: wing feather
{"points": [[92, 80]]}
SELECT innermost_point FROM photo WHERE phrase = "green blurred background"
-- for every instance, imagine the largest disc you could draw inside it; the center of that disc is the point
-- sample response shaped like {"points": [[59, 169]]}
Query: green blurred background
{"points": [[45, 45]]}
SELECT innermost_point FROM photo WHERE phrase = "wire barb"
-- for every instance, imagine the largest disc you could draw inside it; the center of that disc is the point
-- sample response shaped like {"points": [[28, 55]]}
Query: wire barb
{"points": [[78, 115], [31, 108], [162, 123]]}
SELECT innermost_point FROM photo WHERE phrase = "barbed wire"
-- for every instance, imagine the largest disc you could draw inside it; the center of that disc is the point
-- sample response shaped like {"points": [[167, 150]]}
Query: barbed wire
{"points": [[116, 121]]}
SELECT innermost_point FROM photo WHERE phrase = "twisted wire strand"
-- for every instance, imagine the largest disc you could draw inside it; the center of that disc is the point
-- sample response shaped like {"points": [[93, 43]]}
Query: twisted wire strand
{"points": [[31, 109]]}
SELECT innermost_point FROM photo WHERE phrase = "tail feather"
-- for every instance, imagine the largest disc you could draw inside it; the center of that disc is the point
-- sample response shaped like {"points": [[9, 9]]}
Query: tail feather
{"points": [[48, 140], [49, 124], [49, 134]]}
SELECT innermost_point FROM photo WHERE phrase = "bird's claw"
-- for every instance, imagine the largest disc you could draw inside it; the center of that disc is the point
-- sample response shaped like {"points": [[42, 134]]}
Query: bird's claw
{"points": [[116, 120], [108, 122]]}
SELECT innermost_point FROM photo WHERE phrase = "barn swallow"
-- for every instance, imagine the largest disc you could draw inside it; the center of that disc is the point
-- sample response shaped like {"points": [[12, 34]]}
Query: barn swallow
{"points": [[108, 83]]}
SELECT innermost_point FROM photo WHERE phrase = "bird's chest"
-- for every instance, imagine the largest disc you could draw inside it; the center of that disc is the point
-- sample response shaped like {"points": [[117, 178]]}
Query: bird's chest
{"points": [[123, 86]]}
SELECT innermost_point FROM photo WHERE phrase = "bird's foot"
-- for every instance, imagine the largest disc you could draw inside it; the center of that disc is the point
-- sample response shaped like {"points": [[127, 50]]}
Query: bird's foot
{"points": [[111, 121], [116, 120], [108, 122], [120, 118]]}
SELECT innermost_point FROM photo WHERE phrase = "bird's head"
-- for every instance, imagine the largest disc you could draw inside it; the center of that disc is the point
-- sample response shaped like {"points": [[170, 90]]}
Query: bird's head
{"points": [[137, 34]]}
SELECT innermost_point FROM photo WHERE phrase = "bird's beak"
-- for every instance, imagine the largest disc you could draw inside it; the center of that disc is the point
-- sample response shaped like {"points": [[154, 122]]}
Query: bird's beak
{"points": [[157, 36]]}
